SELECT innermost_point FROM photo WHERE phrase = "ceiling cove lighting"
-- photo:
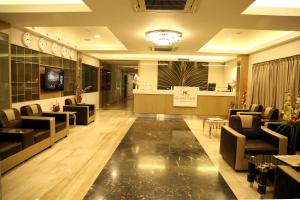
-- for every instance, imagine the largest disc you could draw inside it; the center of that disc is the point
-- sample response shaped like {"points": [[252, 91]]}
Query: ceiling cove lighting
{"points": [[163, 37]]}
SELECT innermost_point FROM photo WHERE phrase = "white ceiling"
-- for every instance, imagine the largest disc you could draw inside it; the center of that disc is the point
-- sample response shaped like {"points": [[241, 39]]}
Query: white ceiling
{"points": [[274, 7], [128, 27], [83, 37], [30, 6], [244, 40]]}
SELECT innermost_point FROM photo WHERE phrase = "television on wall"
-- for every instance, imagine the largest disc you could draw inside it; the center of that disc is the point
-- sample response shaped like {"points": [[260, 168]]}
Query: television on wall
{"points": [[54, 79]]}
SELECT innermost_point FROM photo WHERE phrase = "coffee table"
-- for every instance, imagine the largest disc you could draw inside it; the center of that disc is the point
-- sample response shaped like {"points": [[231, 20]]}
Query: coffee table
{"points": [[262, 168], [214, 122], [72, 117]]}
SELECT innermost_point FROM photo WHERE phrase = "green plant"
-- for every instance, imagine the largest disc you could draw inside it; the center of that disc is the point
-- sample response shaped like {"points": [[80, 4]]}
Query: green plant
{"points": [[292, 121]]}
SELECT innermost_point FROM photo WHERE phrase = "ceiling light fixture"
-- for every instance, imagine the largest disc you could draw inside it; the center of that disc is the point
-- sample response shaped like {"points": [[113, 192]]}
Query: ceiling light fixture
{"points": [[228, 39], [163, 37], [97, 36]]}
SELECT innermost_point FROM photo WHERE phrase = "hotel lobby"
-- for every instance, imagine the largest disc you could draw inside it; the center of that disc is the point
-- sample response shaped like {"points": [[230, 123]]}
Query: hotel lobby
{"points": [[149, 99]]}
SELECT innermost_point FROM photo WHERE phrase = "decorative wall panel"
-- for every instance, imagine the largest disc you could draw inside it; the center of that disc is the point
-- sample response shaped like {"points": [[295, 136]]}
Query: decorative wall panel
{"points": [[182, 73]]}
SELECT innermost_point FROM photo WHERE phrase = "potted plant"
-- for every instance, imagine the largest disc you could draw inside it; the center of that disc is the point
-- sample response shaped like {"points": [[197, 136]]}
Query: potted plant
{"points": [[291, 127]]}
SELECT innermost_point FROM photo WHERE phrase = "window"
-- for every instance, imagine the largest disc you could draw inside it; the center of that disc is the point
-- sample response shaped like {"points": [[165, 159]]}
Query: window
{"points": [[89, 78]]}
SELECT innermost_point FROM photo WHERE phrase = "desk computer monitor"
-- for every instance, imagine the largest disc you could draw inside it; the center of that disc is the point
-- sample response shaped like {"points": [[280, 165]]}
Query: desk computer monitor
{"points": [[211, 87]]}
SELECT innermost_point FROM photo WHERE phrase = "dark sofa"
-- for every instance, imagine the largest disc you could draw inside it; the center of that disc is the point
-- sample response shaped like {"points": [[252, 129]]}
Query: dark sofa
{"points": [[61, 119], [21, 138], [85, 113], [245, 136]]}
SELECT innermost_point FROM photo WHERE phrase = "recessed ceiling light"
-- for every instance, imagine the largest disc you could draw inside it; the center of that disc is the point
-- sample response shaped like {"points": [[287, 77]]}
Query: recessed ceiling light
{"points": [[229, 39], [97, 36]]}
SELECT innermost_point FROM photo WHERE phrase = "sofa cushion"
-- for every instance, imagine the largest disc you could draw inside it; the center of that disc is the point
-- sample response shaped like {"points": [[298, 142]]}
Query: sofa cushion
{"points": [[254, 147], [31, 110], [9, 148], [248, 125], [60, 126], [41, 134], [10, 118]]}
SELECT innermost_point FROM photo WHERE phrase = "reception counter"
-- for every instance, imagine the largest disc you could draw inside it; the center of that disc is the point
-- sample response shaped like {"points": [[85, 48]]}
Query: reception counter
{"points": [[209, 103]]}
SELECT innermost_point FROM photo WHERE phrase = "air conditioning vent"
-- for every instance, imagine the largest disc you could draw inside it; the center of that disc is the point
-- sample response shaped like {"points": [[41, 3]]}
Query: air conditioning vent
{"points": [[165, 5], [163, 48]]}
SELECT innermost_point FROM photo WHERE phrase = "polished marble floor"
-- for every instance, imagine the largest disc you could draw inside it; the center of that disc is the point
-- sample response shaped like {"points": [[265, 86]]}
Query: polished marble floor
{"points": [[159, 159]]}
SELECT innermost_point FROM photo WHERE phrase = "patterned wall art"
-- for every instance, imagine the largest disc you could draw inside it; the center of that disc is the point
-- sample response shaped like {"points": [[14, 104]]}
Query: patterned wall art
{"points": [[182, 73]]}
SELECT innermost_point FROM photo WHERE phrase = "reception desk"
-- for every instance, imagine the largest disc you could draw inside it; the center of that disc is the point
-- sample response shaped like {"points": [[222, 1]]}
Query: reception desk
{"points": [[209, 103]]}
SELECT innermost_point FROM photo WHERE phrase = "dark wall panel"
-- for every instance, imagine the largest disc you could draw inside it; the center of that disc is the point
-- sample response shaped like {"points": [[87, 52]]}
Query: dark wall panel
{"points": [[182, 73]]}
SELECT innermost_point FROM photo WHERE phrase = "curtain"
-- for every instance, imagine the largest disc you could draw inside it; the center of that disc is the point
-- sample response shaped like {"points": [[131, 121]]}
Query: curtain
{"points": [[271, 79]]}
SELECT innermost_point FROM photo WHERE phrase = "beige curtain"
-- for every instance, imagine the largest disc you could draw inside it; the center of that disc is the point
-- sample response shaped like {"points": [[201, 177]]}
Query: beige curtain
{"points": [[271, 79]]}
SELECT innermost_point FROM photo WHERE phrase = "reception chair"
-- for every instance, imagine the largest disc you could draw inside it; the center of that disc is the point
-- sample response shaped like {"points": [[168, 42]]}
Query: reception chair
{"points": [[287, 183], [61, 119], [267, 115], [85, 113], [245, 136], [252, 108], [22, 137]]}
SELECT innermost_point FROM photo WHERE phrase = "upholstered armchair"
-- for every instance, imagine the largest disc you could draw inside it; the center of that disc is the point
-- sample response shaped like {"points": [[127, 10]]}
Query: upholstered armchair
{"points": [[245, 136], [85, 113], [274, 127], [61, 119], [267, 115], [22, 137], [287, 183], [252, 108]]}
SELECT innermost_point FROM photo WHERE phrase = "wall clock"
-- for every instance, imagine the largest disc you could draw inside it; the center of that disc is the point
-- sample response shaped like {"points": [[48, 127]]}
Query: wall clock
{"points": [[72, 54], [64, 52], [27, 39], [54, 48], [42, 44]]}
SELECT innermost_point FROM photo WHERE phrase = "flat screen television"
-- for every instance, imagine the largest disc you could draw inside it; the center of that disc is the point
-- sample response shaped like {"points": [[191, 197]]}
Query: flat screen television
{"points": [[54, 79]]}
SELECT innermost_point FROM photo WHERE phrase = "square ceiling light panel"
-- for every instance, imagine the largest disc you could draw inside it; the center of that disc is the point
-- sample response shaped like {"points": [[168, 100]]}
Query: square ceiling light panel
{"points": [[242, 41], [37, 6], [274, 7]]}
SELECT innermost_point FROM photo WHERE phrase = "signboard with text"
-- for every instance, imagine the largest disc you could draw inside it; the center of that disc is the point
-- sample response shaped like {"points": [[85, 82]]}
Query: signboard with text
{"points": [[185, 96]]}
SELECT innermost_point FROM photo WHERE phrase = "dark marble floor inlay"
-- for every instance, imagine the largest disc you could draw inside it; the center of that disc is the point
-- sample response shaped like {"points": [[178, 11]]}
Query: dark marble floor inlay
{"points": [[161, 160]]}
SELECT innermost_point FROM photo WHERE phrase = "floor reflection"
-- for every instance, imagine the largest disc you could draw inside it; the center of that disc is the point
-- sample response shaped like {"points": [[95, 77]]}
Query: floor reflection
{"points": [[159, 159]]}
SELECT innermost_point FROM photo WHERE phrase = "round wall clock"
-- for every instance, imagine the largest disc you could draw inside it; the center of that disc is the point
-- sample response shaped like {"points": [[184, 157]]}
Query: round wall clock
{"points": [[64, 52], [72, 54], [43, 44], [27, 39], [54, 48]]}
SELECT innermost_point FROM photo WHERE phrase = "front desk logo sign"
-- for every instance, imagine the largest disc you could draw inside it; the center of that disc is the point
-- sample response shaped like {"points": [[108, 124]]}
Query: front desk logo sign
{"points": [[185, 96]]}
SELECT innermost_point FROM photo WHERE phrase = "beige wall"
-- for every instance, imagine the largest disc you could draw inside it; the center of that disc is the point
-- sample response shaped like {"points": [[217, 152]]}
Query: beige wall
{"points": [[282, 51], [222, 75], [91, 98], [46, 104], [90, 60], [148, 72]]}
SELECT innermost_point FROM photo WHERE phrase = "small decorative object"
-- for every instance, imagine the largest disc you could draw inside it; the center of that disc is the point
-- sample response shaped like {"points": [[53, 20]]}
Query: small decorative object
{"points": [[244, 99], [287, 106], [56, 107], [231, 105], [233, 83], [136, 81], [292, 121]]}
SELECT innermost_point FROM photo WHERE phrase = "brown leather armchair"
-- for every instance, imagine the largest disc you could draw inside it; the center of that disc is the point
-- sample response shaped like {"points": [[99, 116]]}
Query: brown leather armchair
{"points": [[287, 183], [61, 119], [252, 108], [245, 136], [22, 137], [85, 113]]}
